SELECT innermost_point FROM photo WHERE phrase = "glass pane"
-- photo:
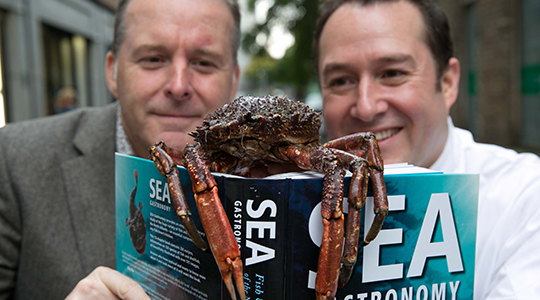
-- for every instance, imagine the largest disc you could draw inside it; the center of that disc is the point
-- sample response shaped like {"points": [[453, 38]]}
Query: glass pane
{"points": [[80, 60], [66, 70]]}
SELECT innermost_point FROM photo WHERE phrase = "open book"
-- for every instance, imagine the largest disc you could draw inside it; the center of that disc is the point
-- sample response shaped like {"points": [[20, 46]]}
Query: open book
{"points": [[426, 247]]}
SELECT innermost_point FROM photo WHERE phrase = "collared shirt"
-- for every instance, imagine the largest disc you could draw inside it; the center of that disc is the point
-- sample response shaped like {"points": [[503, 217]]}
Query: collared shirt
{"points": [[508, 232], [122, 141]]}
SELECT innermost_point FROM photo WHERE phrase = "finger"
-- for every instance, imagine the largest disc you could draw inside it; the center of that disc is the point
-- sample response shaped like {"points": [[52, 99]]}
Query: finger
{"points": [[91, 287], [121, 285]]}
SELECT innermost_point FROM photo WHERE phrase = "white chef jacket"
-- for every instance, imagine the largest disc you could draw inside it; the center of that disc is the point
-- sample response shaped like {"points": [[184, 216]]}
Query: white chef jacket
{"points": [[508, 230]]}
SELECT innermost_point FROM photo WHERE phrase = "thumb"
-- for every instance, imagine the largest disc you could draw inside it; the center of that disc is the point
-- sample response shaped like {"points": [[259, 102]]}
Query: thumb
{"points": [[121, 285]]}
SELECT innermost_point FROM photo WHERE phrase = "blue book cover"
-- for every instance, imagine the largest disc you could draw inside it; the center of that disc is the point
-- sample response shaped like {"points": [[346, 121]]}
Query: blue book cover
{"points": [[426, 249]]}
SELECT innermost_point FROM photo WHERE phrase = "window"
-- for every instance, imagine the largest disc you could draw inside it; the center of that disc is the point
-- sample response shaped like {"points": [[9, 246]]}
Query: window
{"points": [[66, 70]]}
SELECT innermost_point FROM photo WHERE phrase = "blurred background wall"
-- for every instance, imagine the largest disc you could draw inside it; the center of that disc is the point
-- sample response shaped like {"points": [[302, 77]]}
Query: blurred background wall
{"points": [[498, 44], [52, 57]]}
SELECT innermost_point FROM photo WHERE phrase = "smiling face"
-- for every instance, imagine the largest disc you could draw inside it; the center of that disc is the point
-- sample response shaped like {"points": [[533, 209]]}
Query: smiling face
{"points": [[174, 66], [377, 74]]}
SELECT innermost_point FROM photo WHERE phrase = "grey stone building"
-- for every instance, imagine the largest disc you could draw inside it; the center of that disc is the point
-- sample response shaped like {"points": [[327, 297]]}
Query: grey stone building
{"points": [[52, 51], [498, 45]]}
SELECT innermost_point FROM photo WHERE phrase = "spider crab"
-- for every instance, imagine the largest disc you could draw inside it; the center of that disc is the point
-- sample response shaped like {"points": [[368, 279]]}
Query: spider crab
{"points": [[252, 131]]}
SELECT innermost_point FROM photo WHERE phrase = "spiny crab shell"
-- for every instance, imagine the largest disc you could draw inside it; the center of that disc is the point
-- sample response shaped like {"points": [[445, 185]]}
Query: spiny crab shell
{"points": [[253, 125]]}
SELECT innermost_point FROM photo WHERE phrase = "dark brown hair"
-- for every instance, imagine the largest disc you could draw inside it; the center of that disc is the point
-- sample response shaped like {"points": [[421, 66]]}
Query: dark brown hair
{"points": [[436, 24]]}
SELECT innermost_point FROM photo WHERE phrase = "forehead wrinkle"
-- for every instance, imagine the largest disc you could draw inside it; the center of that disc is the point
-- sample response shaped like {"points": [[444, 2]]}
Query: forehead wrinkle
{"points": [[138, 16]]}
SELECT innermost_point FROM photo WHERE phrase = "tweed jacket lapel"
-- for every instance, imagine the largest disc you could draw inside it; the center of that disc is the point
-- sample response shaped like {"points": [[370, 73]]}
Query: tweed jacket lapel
{"points": [[89, 179]]}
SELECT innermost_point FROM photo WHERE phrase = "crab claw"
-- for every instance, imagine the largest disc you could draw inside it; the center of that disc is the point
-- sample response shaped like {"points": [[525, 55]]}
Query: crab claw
{"points": [[221, 239], [215, 222], [329, 259], [236, 272]]}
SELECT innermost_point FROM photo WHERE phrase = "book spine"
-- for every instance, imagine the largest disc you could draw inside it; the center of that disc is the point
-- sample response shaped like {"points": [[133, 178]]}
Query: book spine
{"points": [[257, 211], [304, 240]]}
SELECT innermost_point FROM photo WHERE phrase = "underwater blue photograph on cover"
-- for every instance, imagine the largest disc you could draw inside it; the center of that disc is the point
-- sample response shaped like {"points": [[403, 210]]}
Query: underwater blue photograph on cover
{"points": [[169, 266]]}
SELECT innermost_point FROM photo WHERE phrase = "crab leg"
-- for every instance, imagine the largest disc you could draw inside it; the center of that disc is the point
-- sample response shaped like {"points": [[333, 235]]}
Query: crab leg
{"points": [[356, 146], [214, 220], [332, 243], [325, 161], [380, 205], [161, 155], [365, 145], [356, 200]]}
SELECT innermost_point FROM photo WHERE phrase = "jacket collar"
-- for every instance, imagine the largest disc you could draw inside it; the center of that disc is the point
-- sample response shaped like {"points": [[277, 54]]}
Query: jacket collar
{"points": [[97, 125]]}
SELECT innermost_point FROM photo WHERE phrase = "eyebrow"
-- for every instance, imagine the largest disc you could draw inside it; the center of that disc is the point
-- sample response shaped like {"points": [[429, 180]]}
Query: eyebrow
{"points": [[396, 59], [384, 60], [147, 47], [209, 53], [333, 67], [158, 47]]}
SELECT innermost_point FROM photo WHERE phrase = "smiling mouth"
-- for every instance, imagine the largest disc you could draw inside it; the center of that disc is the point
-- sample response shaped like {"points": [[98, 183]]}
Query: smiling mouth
{"points": [[382, 135]]}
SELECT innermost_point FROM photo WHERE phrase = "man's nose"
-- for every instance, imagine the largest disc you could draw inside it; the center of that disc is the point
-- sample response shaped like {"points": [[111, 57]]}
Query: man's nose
{"points": [[369, 103], [179, 85]]}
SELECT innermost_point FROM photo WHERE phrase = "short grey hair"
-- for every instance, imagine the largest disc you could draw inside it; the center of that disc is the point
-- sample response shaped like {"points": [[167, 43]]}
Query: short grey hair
{"points": [[120, 30]]}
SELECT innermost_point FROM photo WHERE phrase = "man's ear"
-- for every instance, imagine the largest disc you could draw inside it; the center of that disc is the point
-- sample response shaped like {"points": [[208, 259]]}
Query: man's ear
{"points": [[110, 74], [236, 78], [450, 82]]}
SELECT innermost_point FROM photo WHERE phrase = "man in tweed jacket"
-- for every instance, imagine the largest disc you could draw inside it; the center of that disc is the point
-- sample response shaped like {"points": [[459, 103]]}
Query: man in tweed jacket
{"points": [[172, 63]]}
